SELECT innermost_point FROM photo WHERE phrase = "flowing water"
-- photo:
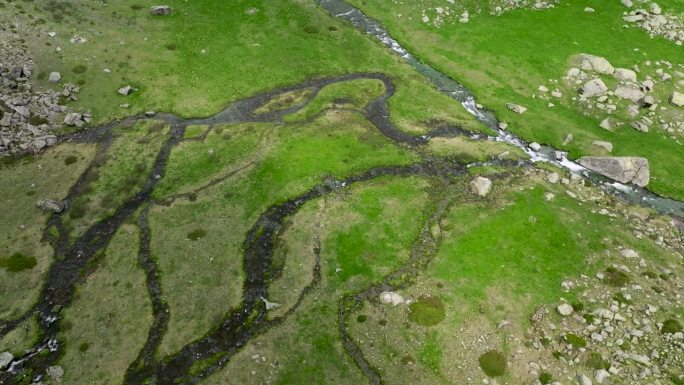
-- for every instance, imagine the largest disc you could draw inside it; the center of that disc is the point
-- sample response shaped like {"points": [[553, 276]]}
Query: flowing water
{"points": [[458, 92]]}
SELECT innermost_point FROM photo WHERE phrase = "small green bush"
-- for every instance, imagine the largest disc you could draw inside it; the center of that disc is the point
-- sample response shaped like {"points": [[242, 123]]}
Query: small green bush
{"points": [[79, 69], [575, 340], [596, 361], [545, 378], [18, 262], [197, 234], [671, 326], [615, 277], [493, 363]]}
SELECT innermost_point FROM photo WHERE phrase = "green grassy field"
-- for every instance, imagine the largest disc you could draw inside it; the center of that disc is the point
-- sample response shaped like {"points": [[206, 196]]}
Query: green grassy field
{"points": [[505, 58]]}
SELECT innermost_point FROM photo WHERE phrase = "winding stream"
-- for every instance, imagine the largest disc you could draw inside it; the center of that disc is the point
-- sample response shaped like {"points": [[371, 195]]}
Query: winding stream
{"points": [[450, 87]]}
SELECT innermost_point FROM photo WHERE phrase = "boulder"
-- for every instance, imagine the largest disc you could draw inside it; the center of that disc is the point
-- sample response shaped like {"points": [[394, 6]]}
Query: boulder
{"points": [[73, 119], [5, 359], [391, 297], [125, 91], [629, 93], [622, 169], [160, 10], [51, 206], [518, 109], [481, 186], [54, 77], [535, 146], [648, 101], [677, 99], [583, 380], [595, 63], [606, 124], [625, 75], [594, 87], [565, 309], [55, 373], [608, 146]]}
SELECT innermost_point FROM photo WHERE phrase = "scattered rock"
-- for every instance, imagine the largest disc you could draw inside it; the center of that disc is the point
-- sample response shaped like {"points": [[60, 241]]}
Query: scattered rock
{"points": [[568, 139], [55, 373], [583, 380], [518, 109], [622, 169], [51, 206], [481, 186], [594, 87], [160, 10], [565, 309], [677, 99], [553, 178], [595, 63], [125, 91], [608, 146], [535, 146], [73, 119], [269, 305], [606, 124], [629, 93], [391, 297], [54, 77], [629, 253], [625, 75], [5, 359]]}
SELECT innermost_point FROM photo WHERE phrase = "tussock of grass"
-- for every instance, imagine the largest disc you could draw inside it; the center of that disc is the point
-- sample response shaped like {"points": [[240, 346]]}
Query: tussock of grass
{"points": [[18, 262], [427, 311], [493, 363]]}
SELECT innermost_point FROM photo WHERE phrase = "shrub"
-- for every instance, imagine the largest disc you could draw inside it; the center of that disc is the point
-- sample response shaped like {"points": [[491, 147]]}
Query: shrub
{"points": [[18, 262], [615, 277], [79, 69], [197, 234], [596, 361], [671, 326], [493, 363], [575, 340], [545, 378], [69, 160]]}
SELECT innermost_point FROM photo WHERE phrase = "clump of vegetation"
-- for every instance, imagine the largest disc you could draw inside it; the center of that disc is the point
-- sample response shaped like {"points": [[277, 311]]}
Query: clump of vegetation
{"points": [[69, 160], [79, 69], [493, 363], [171, 47], [671, 326], [596, 361], [311, 29], [615, 277], [427, 311], [545, 378], [575, 340], [18, 262], [620, 297], [361, 318], [197, 234], [83, 347]]}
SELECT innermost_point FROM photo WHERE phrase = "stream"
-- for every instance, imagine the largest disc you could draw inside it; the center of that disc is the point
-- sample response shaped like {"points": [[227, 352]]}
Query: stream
{"points": [[458, 92]]}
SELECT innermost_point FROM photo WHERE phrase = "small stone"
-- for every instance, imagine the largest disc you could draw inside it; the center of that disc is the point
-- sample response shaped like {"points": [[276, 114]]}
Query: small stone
{"points": [[564, 309], [553, 178], [677, 99], [51, 206], [535, 146], [629, 253], [608, 146]]}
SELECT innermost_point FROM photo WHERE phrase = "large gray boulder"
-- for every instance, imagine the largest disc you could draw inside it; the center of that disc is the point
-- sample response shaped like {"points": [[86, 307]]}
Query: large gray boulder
{"points": [[630, 93], [595, 63], [622, 169]]}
